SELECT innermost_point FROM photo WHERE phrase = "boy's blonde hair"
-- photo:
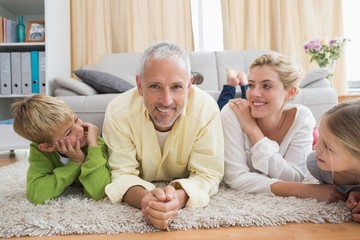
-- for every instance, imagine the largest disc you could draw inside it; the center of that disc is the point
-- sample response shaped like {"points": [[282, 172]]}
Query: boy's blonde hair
{"points": [[37, 117], [289, 71], [343, 121]]}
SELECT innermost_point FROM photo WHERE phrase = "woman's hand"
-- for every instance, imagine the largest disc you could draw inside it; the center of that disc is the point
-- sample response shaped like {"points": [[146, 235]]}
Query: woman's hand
{"points": [[242, 109]]}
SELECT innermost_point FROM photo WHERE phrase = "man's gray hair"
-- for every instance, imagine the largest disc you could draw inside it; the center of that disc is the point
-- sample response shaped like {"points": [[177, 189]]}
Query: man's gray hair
{"points": [[164, 51]]}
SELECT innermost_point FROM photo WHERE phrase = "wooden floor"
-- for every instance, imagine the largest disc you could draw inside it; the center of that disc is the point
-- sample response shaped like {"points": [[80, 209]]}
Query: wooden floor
{"points": [[304, 231]]}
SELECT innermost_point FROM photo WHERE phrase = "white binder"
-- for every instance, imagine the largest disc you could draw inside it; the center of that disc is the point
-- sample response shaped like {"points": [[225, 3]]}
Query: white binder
{"points": [[42, 72], [25, 73], [15, 72], [5, 73]]}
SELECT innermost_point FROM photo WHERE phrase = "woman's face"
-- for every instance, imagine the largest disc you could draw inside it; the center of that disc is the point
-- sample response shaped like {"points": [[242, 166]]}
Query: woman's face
{"points": [[266, 93], [331, 155]]}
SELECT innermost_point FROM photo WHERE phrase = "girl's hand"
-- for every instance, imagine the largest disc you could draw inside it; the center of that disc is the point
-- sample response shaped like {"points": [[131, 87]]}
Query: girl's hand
{"points": [[353, 203]]}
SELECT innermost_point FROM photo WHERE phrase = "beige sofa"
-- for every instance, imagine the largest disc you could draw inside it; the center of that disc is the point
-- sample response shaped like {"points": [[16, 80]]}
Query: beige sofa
{"points": [[89, 105]]}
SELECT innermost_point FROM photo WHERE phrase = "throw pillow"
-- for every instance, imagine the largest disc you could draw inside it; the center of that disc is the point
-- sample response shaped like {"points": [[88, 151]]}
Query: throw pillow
{"points": [[103, 82], [313, 76], [64, 92], [75, 85]]}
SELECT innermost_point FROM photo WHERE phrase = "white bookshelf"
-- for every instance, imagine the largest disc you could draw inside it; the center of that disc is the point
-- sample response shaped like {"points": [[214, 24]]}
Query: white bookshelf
{"points": [[56, 14]]}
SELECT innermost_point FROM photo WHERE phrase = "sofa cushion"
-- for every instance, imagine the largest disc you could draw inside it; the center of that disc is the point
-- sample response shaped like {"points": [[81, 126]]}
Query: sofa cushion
{"points": [[103, 82], [75, 85], [314, 76], [239, 60], [204, 63], [64, 92], [122, 65]]}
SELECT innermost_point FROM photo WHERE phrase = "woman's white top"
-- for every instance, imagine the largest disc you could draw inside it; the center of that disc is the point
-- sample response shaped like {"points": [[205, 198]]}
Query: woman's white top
{"points": [[253, 168]]}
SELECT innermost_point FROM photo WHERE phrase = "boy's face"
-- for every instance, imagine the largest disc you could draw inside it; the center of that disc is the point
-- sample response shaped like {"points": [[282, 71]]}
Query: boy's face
{"points": [[69, 133]]}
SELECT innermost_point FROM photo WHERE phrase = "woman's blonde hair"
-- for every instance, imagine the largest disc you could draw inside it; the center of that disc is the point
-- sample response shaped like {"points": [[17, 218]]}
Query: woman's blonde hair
{"points": [[343, 121], [288, 70], [37, 117]]}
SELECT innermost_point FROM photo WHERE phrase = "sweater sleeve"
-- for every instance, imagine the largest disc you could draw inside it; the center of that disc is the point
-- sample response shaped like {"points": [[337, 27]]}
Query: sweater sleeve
{"points": [[314, 169], [238, 174], [46, 178], [286, 161], [125, 169], [206, 165], [95, 172]]}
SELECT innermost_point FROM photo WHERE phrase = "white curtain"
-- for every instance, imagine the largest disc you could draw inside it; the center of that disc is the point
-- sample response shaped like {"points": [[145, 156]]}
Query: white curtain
{"points": [[284, 26], [100, 27]]}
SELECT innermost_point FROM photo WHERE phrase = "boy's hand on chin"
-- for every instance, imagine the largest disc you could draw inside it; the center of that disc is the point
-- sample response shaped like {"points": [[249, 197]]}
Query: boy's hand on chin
{"points": [[91, 133], [75, 154]]}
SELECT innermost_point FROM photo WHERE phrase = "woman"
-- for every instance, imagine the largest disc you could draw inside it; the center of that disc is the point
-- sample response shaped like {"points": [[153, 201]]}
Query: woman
{"points": [[267, 140]]}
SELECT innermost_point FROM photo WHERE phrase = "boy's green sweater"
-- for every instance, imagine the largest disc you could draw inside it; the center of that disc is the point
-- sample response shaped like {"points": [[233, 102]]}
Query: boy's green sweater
{"points": [[47, 177]]}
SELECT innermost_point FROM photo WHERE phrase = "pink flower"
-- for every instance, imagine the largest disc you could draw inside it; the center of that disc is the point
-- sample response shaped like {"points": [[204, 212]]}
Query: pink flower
{"points": [[325, 52], [313, 45]]}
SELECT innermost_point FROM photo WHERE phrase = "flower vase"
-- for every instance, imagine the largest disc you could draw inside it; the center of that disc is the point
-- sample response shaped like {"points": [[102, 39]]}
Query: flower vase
{"points": [[331, 67]]}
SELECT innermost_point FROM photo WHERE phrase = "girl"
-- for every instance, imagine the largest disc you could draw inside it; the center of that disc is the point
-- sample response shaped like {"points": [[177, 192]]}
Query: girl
{"points": [[336, 160]]}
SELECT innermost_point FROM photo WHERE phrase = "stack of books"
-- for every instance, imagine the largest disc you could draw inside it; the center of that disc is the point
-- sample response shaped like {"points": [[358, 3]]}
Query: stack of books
{"points": [[7, 30]]}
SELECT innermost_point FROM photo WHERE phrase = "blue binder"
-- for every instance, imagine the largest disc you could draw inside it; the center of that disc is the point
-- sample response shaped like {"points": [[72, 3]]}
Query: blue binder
{"points": [[35, 85]]}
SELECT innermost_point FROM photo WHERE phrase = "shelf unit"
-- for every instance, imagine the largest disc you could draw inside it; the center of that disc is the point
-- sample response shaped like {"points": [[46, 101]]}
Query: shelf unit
{"points": [[22, 47], [56, 14]]}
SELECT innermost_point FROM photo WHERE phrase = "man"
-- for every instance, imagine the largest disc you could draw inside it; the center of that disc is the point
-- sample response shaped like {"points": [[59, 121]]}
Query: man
{"points": [[166, 129]]}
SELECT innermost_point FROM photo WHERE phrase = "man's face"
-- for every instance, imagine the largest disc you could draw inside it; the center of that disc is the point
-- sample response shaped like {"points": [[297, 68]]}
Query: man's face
{"points": [[165, 87]]}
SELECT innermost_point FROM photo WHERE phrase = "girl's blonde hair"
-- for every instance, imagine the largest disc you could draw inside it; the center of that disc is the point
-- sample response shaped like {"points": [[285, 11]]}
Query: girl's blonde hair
{"points": [[37, 117], [288, 70], [343, 121]]}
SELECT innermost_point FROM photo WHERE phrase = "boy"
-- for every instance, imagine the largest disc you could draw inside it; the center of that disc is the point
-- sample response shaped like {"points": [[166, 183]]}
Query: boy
{"points": [[64, 149]]}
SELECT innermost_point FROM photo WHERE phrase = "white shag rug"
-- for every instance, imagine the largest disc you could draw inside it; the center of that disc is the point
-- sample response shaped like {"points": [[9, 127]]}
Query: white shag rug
{"points": [[72, 213]]}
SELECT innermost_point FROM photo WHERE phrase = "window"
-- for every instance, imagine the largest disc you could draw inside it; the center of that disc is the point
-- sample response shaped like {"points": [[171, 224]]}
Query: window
{"points": [[208, 33], [207, 25], [350, 14]]}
